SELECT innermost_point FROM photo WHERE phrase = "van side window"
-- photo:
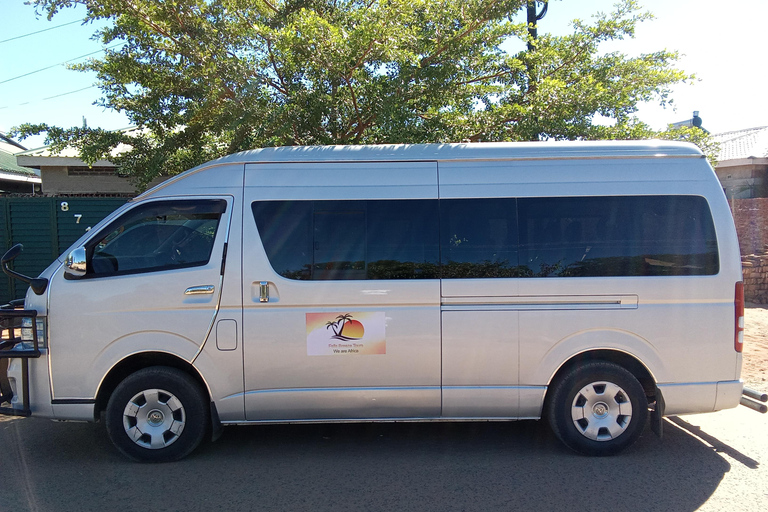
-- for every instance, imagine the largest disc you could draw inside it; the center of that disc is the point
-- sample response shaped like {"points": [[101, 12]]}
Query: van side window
{"points": [[489, 238], [617, 236], [478, 238], [373, 239], [157, 236]]}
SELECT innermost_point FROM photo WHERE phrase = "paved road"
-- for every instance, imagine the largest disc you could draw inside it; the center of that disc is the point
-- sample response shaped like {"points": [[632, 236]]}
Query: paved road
{"points": [[708, 462]]}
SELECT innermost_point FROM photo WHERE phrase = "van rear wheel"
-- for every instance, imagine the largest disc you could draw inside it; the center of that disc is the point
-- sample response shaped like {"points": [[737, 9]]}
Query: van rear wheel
{"points": [[157, 414], [598, 408]]}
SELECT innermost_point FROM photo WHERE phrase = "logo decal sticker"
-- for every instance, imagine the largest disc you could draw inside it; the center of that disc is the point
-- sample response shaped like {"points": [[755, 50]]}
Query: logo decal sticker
{"points": [[361, 333]]}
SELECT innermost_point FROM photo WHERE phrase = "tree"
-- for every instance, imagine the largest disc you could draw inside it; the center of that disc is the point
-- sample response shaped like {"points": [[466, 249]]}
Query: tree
{"points": [[206, 78], [694, 135], [637, 130]]}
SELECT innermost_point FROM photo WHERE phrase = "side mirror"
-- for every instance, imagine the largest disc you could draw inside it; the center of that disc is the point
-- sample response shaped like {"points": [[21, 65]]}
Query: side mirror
{"points": [[11, 254], [76, 264], [38, 284]]}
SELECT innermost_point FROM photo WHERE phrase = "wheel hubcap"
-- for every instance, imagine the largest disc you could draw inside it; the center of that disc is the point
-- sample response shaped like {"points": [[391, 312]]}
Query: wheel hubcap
{"points": [[601, 411], [154, 418]]}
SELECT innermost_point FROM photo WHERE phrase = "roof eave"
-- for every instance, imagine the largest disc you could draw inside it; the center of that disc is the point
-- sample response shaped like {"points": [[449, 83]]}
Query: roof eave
{"points": [[740, 162], [56, 161], [4, 176]]}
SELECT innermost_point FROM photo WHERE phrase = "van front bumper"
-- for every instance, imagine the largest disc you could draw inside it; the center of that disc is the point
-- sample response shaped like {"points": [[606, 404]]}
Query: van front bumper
{"points": [[17, 341]]}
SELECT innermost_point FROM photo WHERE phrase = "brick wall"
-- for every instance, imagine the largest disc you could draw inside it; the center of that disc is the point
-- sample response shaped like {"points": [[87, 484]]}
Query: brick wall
{"points": [[755, 278], [751, 218]]}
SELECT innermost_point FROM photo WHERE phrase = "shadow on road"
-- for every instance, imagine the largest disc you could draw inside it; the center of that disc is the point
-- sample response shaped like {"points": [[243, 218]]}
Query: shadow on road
{"points": [[718, 445], [364, 467]]}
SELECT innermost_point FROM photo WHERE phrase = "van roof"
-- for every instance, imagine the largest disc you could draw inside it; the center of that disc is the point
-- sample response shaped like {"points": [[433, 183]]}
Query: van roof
{"points": [[468, 151], [478, 151]]}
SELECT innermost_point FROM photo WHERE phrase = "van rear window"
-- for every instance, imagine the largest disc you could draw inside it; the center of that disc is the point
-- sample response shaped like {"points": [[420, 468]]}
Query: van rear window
{"points": [[617, 236], [489, 238]]}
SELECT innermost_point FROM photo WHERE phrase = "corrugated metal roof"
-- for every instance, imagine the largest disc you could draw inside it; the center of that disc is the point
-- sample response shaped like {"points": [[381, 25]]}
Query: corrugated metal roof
{"points": [[741, 144], [8, 165]]}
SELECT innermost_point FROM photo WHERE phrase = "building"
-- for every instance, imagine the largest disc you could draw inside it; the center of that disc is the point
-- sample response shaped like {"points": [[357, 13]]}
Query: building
{"points": [[65, 174], [743, 162], [14, 178]]}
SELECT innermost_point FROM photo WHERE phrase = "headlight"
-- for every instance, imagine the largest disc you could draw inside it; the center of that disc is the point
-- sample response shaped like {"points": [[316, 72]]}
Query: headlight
{"points": [[26, 329], [28, 333], [40, 325]]}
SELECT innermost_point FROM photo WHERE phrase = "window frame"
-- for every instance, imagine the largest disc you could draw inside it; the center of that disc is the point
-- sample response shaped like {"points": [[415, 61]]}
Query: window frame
{"points": [[215, 205], [513, 270], [633, 209], [317, 208]]}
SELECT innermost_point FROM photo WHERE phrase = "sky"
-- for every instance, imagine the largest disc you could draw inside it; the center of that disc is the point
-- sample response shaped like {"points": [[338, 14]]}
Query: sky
{"points": [[722, 43]]}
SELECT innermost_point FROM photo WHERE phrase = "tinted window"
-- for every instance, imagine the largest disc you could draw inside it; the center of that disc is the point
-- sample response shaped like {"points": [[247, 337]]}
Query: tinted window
{"points": [[157, 236], [321, 240], [478, 238], [489, 238], [617, 236]]}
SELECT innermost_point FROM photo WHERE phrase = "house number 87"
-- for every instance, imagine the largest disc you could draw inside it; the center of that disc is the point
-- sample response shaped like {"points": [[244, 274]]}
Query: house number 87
{"points": [[65, 208]]}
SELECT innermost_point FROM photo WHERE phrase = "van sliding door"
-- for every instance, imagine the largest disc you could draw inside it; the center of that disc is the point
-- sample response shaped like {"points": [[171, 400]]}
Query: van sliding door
{"points": [[479, 262], [341, 292]]}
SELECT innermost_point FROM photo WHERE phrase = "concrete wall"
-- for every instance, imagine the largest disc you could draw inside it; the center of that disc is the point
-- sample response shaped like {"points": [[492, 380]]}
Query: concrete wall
{"points": [[743, 179], [58, 181]]}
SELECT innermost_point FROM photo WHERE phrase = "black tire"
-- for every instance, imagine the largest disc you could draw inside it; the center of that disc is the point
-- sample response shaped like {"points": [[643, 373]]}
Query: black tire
{"points": [[597, 408], [158, 414]]}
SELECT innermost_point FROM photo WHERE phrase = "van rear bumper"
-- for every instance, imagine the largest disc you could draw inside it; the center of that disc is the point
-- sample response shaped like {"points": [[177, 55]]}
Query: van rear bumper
{"points": [[696, 397]]}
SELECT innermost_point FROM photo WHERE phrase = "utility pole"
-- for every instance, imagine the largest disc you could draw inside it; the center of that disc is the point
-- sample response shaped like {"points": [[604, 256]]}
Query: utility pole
{"points": [[533, 17]]}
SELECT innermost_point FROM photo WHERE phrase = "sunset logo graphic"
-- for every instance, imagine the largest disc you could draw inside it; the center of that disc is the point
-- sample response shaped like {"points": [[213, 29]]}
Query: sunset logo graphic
{"points": [[345, 328], [346, 333]]}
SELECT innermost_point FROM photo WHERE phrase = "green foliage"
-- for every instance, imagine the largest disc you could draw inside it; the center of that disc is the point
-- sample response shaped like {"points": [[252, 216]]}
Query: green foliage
{"points": [[697, 136], [204, 78]]}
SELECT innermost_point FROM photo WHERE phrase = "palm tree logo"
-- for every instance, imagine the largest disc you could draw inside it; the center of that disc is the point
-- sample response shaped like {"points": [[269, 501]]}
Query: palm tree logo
{"points": [[345, 328]]}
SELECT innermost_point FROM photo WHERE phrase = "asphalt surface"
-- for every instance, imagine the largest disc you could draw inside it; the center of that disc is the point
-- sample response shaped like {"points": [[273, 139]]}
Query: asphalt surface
{"points": [[705, 462]]}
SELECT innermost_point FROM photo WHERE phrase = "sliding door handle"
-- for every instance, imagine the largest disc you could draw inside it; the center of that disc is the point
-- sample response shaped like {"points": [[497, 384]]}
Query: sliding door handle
{"points": [[200, 290]]}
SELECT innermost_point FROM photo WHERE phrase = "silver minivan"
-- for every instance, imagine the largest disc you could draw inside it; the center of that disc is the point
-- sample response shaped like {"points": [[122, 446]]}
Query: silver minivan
{"points": [[596, 284]]}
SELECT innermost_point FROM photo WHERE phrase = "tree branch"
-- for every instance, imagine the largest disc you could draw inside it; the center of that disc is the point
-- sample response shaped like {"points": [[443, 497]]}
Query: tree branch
{"points": [[149, 22], [271, 7], [483, 18], [482, 78], [354, 99], [283, 89], [362, 57]]}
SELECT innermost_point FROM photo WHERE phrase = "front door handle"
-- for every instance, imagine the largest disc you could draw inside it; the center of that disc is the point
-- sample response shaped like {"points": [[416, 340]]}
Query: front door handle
{"points": [[200, 290], [263, 291]]}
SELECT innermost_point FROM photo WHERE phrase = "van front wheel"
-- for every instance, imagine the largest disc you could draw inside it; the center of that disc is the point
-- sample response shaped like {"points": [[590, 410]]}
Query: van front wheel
{"points": [[157, 414], [598, 408]]}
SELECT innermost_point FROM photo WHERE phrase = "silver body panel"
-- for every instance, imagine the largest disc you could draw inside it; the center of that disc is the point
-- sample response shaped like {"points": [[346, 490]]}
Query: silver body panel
{"points": [[454, 348]]}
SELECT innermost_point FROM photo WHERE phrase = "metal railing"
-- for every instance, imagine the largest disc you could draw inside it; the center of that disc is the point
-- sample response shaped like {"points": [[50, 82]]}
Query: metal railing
{"points": [[18, 340]]}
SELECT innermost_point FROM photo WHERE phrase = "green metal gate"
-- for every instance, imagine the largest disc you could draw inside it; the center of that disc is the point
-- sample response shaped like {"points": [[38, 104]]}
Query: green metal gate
{"points": [[46, 226]]}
